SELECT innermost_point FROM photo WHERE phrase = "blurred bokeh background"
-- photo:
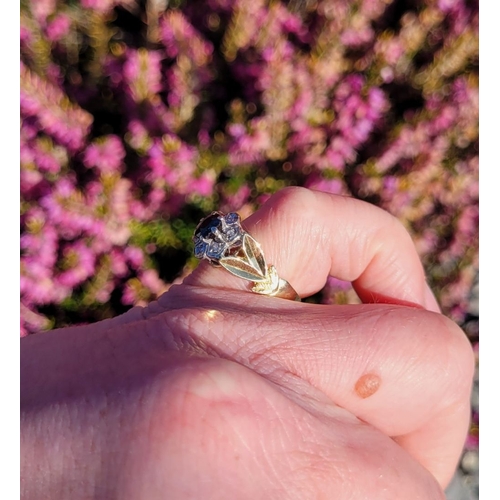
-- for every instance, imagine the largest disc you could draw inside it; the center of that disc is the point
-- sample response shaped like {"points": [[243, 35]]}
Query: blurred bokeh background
{"points": [[140, 116]]}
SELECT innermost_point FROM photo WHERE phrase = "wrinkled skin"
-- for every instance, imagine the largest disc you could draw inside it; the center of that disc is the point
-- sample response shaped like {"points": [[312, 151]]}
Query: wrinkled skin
{"points": [[213, 392]]}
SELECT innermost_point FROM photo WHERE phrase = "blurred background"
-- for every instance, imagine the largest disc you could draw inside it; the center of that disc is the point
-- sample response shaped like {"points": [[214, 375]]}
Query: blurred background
{"points": [[140, 116]]}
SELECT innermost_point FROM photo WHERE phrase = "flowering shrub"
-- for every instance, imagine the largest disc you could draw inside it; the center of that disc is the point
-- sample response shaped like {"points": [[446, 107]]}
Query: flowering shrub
{"points": [[136, 121]]}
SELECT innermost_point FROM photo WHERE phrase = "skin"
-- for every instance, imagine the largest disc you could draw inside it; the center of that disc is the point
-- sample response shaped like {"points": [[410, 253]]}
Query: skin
{"points": [[214, 392]]}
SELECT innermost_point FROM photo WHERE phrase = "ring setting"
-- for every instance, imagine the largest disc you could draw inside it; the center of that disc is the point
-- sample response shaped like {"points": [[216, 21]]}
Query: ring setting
{"points": [[220, 239]]}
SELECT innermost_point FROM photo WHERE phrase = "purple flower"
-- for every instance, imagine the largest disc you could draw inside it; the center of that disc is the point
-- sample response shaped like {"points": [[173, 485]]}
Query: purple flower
{"points": [[101, 6], [106, 154], [204, 185], [67, 123], [142, 73], [80, 261], [319, 183], [249, 147], [58, 27], [42, 9], [134, 256]]}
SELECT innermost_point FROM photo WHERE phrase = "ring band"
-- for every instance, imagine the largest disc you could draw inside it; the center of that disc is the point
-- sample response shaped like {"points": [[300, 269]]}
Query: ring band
{"points": [[222, 241]]}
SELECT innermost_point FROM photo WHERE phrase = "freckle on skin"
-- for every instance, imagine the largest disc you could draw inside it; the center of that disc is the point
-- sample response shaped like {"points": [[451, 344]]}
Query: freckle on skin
{"points": [[367, 385]]}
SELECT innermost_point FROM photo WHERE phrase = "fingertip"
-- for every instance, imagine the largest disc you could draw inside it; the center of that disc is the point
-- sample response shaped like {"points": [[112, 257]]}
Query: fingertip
{"points": [[430, 301]]}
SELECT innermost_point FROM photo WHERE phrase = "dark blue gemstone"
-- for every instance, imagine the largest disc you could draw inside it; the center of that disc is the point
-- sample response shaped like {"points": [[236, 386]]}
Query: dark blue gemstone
{"points": [[199, 249], [207, 227], [232, 217]]}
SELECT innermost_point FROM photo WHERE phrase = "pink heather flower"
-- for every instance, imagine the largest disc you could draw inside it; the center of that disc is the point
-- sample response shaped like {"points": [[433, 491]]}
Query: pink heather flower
{"points": [[236, 130], [29, 179], [250, 146], [468, 222], [444, 120], [83, 268], [340, 152], [179, 36], [118, 263], [54, 74], [150, 279], [27, 154], [138, 136], [281, 52], [387, 74], [172, 162], [354, 121], [142, 73], [101, 6], [362, 130], [58, 27], [29, 131], [356, 37], [393, 51], [66, 209], [65, 187], [350, 85], [377, 102], [134, 256], [156, 196], [302, 104], [204, 138], [293, 24], [130, 296], [118, 200], [169, 41], [25, 35], [160, 166], [104, 293], [41, 9], [37, 285], [334, 186], [204, 185], [106, 154], [237, 200], [335, 160], [390, 184], [67, 123], [41, 246], [23, 328], [447, 5], [32, 268], [141, 211], [45, 161], [31, 321], [373, 8]]}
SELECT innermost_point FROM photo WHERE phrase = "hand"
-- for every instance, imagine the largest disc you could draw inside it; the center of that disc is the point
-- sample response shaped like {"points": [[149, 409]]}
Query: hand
{"points": [[213, 392]]}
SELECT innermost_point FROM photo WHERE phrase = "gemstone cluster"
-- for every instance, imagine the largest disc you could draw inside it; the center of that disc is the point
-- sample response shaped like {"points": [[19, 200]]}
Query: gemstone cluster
{"points": [[217, 234]]}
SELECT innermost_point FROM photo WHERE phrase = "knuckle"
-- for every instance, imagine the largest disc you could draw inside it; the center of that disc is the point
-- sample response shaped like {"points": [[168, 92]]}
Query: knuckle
{"points": [[293, 202]]}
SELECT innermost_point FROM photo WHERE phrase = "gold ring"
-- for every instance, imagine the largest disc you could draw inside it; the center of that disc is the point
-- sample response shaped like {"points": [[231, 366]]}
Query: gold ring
{"points": [[222, 241]]}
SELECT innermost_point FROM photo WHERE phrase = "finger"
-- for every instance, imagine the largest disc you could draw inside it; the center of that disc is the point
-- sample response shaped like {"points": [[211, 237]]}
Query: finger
{"points": [[309, 235], [406, 371], [236, 413]]}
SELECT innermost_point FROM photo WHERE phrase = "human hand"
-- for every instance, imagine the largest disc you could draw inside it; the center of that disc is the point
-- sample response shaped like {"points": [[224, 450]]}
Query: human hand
{"points": [[213, 392]]}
